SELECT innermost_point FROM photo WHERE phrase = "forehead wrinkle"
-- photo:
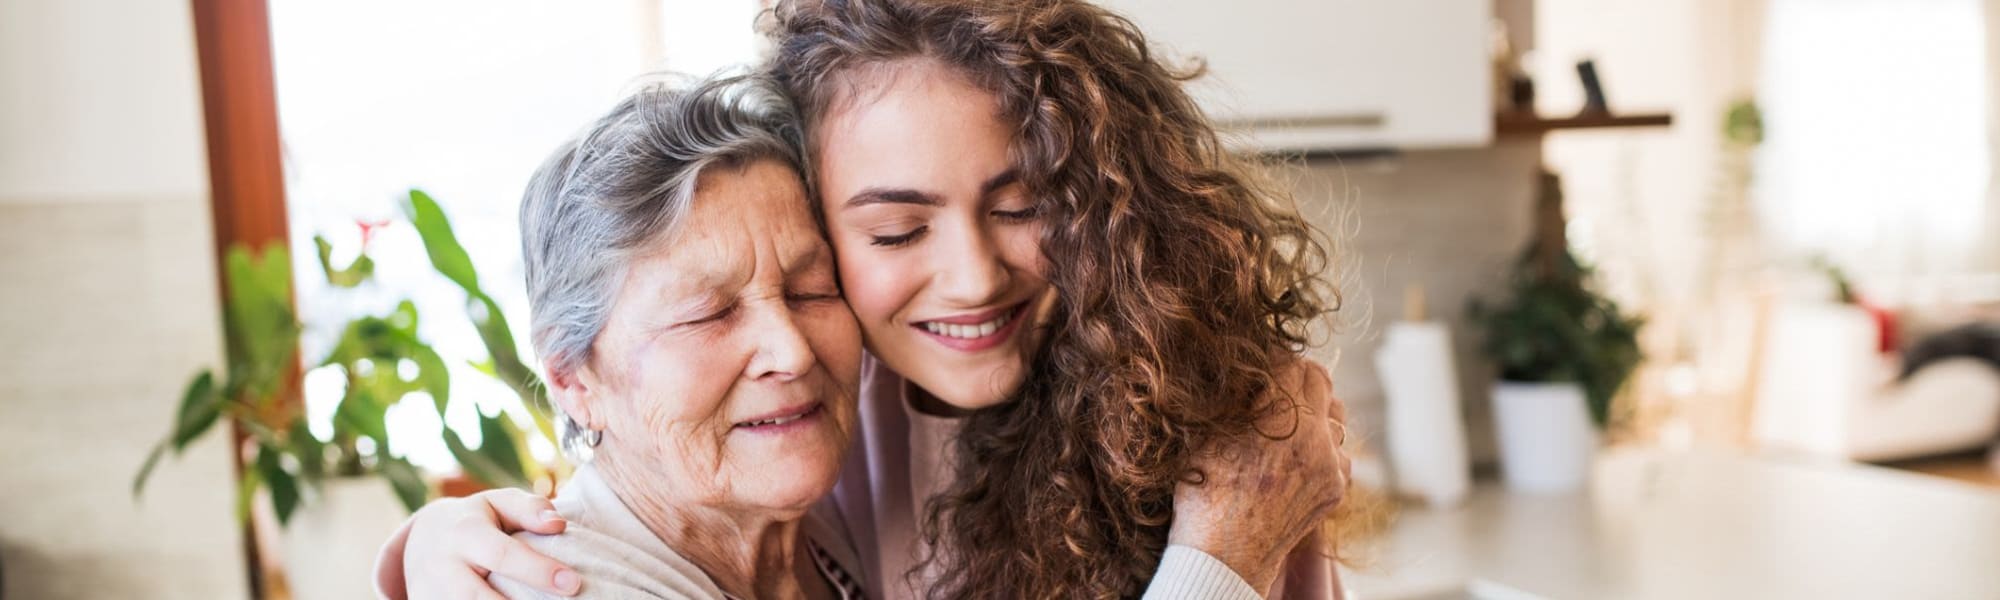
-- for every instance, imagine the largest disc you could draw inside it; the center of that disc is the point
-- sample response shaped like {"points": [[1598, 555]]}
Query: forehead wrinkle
{"points": [[804, 259]]}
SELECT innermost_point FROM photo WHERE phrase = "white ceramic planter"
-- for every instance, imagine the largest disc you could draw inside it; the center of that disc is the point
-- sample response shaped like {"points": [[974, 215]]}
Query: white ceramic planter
{"points": [[331, 541], [1545, 434]]}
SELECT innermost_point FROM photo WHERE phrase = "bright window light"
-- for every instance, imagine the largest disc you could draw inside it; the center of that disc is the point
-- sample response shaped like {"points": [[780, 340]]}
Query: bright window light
{"points": [[463, 99]]}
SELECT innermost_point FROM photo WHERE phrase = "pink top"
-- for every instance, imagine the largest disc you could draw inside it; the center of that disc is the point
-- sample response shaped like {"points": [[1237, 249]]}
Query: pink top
{"points": [[898, 463]]}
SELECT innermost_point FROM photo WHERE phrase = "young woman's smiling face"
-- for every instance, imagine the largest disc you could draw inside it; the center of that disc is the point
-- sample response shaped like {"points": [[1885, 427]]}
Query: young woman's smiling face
{"points": [[937, 239]]}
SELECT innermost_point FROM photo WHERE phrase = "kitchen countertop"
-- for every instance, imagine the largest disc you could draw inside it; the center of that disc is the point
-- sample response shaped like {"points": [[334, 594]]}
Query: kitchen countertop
{"points": [[1656, 524]]}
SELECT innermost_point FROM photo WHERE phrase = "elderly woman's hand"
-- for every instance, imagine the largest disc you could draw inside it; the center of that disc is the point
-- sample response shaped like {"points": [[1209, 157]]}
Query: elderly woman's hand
{"points": [[448, 547], [1263, 496]]}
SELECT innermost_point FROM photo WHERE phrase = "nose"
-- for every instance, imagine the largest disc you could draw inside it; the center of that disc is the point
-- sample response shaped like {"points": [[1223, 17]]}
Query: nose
{"points": [[970, 272], [781, 351]]}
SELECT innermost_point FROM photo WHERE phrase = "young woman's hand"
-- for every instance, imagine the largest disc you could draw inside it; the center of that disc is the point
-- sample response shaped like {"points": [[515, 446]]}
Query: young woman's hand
{"points": [[1263, 496], [448, 548]]}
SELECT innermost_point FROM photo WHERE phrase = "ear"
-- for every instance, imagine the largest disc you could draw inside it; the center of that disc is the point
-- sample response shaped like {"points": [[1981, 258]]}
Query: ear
{"points": [[574, 391]]}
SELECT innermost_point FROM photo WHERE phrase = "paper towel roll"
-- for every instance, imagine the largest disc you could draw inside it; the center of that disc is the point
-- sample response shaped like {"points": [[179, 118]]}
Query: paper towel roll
{"points": [[1426, 427]]}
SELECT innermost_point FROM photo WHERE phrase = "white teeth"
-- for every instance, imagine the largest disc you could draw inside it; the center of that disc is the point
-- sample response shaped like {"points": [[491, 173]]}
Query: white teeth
{"points": [[967, 332], [777, 421]]}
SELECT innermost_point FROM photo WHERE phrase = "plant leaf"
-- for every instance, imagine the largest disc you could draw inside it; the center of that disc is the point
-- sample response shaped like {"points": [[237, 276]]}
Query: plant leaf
{"points": [[362, 412], [434, 376], [246, 488], [497, 444], [310, 452], [404, 478], [404, 318], [477, 465], [200, 409], [263, 331], [350, 276], [284, 488], [146, 470], [447, 255]]}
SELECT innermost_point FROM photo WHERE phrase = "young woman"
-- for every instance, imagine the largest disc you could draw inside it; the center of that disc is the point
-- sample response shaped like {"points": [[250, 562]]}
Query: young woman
{"points": [[1083, 317]]}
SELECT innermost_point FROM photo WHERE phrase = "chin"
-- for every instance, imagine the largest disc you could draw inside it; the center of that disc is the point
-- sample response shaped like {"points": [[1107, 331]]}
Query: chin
{"points": [[957, 391], [797, 484]]}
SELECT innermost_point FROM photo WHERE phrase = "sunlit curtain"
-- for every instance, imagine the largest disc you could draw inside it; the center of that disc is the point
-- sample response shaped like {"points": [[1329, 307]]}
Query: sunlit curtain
{"points": [[1877, 153]]}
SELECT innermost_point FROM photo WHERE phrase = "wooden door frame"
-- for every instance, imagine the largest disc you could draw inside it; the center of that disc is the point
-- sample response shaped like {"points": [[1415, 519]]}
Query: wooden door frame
{"points": [[245, 168]]}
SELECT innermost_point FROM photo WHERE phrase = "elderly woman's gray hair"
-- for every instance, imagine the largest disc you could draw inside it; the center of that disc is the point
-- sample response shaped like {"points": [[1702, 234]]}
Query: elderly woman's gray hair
{"points": [[624, 183]]}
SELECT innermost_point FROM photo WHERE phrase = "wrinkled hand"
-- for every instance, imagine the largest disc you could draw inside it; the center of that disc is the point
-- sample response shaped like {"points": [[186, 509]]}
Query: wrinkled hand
{"points": [[448, 548], [1262, 496]]}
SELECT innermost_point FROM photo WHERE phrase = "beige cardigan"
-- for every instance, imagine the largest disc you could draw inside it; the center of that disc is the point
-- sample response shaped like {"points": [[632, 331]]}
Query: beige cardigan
{"points": [[619, 557]]}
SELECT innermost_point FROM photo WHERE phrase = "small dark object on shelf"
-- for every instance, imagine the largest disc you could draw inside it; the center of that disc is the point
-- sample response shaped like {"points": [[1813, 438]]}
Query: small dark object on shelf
{"points": [[1593, 90], [1521, 93]]}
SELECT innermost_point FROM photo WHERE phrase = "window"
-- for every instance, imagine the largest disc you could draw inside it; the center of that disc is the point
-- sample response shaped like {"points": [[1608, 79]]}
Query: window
{"points": [[463, 99], [1876, 151]]}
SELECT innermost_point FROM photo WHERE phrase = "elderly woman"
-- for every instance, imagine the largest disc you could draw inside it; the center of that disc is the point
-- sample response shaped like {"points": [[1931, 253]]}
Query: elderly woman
{"points": [[687, 314]]}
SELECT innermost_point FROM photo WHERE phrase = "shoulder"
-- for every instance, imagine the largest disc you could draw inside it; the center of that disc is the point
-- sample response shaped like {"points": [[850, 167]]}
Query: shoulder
{"points": [[617, 556], [612, 568]]}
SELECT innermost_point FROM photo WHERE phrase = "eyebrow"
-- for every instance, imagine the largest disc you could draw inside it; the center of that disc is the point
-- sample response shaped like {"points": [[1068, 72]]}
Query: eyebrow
{"points": [[1004, 179], [803, 261], [878, 195], [893, 196]]}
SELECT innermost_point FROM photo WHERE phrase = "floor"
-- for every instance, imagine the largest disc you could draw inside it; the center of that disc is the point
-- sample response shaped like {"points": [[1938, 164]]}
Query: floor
{"points": [[1970, 467]]}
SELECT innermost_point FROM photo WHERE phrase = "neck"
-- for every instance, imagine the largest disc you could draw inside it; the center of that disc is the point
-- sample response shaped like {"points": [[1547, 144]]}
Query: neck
{"points": [[924, 402], [748, 553]]}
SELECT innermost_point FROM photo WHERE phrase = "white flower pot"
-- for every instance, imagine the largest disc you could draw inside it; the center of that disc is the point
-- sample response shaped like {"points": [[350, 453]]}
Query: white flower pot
{"points": [[331, 541], [1545, 434]]}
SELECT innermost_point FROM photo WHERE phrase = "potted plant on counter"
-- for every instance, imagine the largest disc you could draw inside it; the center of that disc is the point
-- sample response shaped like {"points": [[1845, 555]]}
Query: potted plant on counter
{"points": [[1562, 351]]}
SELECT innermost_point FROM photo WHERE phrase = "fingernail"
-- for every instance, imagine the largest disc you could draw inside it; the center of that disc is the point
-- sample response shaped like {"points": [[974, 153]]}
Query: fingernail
{"points": [[550, 516], [567, 582]]}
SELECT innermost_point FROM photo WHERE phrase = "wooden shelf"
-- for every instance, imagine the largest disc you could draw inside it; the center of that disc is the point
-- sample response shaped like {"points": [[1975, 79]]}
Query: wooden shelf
{"points": [[1531, 124]]}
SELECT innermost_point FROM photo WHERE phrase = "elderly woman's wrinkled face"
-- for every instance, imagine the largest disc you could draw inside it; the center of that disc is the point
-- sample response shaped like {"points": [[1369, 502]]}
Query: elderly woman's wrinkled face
{"points": [[729, 364]]}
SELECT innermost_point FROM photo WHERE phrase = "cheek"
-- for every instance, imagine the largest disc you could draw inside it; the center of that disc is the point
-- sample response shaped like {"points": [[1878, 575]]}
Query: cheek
{"points": [[676, 388], [1021, 248], [878, 285], [835, 339]]}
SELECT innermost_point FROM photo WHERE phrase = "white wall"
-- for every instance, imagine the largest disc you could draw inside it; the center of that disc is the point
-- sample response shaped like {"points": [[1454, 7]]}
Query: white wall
{"points": [[108, 306], [1450, 221], [1992, 253]]}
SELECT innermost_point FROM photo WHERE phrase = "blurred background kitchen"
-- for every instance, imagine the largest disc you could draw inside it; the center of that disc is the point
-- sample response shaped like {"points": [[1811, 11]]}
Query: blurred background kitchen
{"points": [[1644, 298]]}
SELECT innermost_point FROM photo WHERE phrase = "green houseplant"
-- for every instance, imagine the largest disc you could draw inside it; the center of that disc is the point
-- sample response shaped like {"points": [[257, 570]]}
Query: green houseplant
{"points": [[382, 359], [1562, 351], [317, 483]]}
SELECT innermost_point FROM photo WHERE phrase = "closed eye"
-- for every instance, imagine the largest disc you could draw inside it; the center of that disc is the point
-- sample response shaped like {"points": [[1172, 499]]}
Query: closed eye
{"points": [[1019, 216], [901, 239], [805, 298], [713, 317]]}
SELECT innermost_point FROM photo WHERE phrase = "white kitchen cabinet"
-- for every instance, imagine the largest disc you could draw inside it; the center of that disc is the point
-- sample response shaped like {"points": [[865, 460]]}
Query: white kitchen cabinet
{"points": [[1319, 75]]}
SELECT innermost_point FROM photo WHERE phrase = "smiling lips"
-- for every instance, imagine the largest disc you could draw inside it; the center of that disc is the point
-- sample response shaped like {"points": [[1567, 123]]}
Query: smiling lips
{"points": [[974, 332], [784, 421]]}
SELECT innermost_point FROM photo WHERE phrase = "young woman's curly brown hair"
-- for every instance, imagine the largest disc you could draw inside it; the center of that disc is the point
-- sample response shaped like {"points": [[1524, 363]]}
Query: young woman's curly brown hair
{"points": [[1183, 280]]}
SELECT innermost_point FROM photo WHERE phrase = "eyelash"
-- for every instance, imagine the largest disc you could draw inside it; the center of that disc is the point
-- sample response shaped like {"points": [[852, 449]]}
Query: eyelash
{"points": [[1019, 216], [717, 316], [903, 239], [802, 298], [794, 298]]}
